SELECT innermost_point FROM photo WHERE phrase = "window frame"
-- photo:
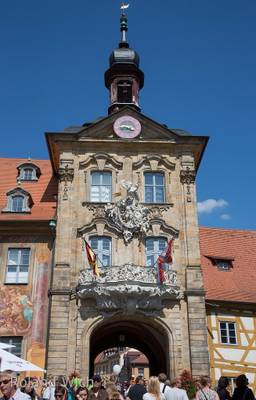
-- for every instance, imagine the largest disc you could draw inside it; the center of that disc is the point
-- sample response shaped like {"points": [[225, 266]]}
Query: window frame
{"points": [[154, 187], [12, 350], [100, 251], [121, 96], [35, 172], [20, 207], [227, 267], [155, 253], [27, 201], [101, 186], [227, 335], [18, 266]]}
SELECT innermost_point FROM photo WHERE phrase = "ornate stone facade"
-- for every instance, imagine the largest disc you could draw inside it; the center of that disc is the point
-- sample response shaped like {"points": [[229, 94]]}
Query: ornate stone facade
{"points": [[127, 289], [127, 298]]}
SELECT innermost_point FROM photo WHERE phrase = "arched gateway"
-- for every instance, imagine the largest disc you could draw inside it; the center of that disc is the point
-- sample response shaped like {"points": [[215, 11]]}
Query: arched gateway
{"points": [[127, 187], [128, 302], [150, 338]]}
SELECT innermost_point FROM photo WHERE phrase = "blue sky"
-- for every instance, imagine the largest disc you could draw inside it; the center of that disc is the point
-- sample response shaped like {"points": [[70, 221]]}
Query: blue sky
{"points": [[199, 61]]}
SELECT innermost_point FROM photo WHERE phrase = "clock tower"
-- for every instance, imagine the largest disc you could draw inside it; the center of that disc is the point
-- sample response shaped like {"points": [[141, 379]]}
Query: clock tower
{"points": [[126, 189], [124, 79]]}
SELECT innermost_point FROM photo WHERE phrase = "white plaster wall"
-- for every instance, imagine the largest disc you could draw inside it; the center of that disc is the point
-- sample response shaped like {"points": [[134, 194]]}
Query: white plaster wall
{"points": [[248, 323], [244, 340], [231, 354], [213, 320], [251, 357]]}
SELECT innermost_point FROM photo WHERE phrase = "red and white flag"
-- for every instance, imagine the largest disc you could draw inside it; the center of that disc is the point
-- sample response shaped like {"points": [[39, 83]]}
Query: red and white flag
{"points": [[164, 259]]}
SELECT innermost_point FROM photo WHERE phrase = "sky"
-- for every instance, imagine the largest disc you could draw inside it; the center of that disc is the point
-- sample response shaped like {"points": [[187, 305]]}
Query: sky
{"points": [[199, 60]]}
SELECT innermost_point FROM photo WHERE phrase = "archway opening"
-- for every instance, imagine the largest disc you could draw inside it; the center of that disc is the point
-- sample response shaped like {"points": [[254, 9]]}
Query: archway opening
{"points": [[131, 362], [142, 334]]}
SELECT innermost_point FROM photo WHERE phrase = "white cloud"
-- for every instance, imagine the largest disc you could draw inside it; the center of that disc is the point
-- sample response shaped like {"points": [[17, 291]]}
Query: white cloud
{"points": [[209, 205], [225, 216]]}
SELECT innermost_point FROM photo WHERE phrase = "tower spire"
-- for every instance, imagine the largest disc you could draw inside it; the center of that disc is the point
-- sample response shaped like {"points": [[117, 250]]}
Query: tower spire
{"points": [[124, 79], [123, 26]]}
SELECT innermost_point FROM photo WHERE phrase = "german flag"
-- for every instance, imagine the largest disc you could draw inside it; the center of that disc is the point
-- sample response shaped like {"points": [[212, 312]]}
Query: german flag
{"points": [[92, 259]]}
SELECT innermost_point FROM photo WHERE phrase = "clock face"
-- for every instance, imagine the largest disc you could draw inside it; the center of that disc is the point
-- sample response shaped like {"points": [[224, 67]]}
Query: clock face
{"points": [[127, 127]]}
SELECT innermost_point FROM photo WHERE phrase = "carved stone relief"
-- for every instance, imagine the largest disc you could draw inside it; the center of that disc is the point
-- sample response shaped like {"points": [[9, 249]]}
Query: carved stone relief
{"points": [[153, 161], [66, 174], [127, 215], [187, 177], [101, 159], [128, 288]]}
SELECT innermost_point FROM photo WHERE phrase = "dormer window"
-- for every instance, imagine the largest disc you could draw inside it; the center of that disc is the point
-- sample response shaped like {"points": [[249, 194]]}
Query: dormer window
{"points": [[18, 201], [28, 172], [223, 263]]}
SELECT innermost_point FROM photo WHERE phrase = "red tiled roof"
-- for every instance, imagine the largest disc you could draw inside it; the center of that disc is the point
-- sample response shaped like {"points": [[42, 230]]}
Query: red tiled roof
{"points": [[239, 283], [42, 191], [142, 359], [99, 357]]}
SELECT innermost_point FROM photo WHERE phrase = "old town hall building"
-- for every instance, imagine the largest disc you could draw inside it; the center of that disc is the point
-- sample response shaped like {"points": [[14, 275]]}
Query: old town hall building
{"points": [[124, 184]]}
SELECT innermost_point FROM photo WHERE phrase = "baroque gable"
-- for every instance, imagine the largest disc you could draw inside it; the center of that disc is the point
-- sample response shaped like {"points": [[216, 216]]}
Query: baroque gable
{"points": [[103, 129]]}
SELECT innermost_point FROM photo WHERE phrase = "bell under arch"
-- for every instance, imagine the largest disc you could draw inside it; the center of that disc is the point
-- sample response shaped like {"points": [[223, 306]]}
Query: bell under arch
{"points": [[145, 334]]}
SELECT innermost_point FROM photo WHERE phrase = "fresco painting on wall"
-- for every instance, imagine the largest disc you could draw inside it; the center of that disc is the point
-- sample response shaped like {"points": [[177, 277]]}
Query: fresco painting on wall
{"points": [[16, 311], [36, 351]]}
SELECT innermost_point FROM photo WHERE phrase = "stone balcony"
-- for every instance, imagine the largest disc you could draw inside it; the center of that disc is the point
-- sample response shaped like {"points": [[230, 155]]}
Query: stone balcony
{"points": [[127, 289]]}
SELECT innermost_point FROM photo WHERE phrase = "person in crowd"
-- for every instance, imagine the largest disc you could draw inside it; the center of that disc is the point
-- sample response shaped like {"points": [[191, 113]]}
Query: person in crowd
{"points": [[81, 393], [115, 396], [28, 387], [60, 393], [8, 387], [153, 392], [222, 391], [113, 392], [175, 393], [97, 392], [49, 388], [137, 391], [242, 392], [205, 392], [73, 383], [129, 384], [110, 388], [164, 386]]}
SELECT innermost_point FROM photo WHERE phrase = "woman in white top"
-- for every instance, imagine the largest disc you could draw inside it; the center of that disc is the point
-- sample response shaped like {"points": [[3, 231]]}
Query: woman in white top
{"points": [[153, 388], [206, 393]]}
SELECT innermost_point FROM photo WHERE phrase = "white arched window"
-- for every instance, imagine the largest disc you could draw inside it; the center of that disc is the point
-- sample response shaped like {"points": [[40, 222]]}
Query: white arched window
{"points": [[18, 201], [102, 247], [28, 172]]}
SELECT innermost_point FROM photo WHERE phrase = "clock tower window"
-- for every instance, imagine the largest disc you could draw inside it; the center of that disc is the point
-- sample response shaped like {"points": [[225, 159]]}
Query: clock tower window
{"points": [[124, 92]]}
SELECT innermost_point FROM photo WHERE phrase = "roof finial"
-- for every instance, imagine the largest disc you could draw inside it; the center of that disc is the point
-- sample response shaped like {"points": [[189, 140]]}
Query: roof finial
{"points": [[123, 25]]}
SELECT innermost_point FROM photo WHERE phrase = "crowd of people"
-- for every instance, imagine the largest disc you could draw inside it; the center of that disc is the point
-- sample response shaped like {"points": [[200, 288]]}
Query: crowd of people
{"points": [[155, 388]]}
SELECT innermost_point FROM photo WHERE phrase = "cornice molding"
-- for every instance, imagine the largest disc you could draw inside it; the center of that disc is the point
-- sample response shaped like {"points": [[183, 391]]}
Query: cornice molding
{"points": [[153, 161], [100, 159]]}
